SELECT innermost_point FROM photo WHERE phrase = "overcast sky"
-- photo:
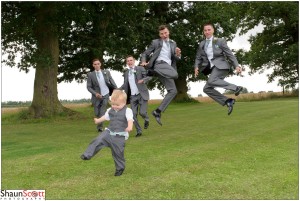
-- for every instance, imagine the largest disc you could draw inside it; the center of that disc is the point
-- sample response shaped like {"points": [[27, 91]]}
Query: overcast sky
{"points": [[18, 86]]}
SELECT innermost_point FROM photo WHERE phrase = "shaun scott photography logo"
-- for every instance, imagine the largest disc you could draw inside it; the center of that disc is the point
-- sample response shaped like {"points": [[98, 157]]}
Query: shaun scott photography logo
{"points": [[22, 195]]}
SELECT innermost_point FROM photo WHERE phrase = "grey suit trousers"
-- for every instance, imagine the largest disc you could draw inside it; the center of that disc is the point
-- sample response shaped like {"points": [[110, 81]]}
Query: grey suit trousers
{"points": [[216, 79], [164, 69], [115, 143], [166, 74], [136, 103], [100, 108]]}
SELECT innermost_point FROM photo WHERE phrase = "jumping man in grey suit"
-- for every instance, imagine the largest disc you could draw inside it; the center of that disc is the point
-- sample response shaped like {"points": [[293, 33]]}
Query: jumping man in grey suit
{"points": [[163, 63], [211, 58], [135, 79], [101, 85]]}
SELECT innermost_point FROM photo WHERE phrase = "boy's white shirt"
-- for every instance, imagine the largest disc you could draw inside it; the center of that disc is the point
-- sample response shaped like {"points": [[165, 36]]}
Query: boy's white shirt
{"points": [[129, 116]]}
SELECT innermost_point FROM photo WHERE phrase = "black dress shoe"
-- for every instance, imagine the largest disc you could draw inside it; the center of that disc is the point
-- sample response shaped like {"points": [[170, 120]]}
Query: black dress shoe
{"points": [[238, 90], [157, 117], [83, 157], [146, 124], [229, 103], [119, 172], [138, 134], [100, 129]]}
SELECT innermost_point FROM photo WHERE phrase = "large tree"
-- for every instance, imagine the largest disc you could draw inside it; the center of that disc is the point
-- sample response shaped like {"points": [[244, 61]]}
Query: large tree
{"points": [[277, 46], [59, 39], [31, 29]]}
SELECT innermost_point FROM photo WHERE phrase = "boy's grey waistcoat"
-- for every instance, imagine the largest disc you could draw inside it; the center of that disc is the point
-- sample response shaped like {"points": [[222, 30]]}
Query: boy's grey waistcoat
{"points": [[118, 121]]}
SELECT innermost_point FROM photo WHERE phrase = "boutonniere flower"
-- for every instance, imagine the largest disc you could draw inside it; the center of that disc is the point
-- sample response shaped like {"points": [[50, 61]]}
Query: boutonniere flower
{"points": [[215, 41], [132, 71], [104, 72]]}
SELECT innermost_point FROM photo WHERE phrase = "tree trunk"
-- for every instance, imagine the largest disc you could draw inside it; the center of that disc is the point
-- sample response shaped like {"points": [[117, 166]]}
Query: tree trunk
{"points": [[45, 101], [182, 89], [99, 34]]}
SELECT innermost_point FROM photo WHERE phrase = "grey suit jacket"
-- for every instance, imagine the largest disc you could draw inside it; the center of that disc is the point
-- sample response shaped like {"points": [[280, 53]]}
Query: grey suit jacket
{"points": [[155, 48], [140, 74], [222, 55], [93, 86]]}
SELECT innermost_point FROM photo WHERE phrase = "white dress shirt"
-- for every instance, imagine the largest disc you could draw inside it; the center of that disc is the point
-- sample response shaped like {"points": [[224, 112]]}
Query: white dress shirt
{"points": [[165, 53], [209, 51], [103, 87], [131, 79]]}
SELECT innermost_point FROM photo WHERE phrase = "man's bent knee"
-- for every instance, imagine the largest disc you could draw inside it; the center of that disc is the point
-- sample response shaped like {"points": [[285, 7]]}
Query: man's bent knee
{"points": [[173, 92]]}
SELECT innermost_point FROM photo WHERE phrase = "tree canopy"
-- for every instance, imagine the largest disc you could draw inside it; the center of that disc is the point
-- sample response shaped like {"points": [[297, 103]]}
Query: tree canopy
{"points": [[277, 46]]}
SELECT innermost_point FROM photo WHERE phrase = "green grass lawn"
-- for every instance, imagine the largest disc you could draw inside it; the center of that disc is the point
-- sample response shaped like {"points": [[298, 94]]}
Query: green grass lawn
{"points": [[199, 153]]}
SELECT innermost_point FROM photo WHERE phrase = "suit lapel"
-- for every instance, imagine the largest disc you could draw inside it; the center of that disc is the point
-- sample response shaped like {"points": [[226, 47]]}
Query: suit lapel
{"points": [[126, 76], [172, 47], [95, 75], [104, 73], [202, 44], [134, 73], [215, 43], [160, 44]]}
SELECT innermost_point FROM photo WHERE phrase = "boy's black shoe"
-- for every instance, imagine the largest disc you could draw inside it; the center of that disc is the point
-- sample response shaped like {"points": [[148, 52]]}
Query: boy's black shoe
{"points": [[119, 172]]}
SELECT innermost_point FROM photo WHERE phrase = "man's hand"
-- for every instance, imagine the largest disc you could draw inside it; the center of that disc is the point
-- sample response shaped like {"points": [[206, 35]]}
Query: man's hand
{"points": [[196, 72], [98, 95], [140, 81], [178, 51], [238, 71]]}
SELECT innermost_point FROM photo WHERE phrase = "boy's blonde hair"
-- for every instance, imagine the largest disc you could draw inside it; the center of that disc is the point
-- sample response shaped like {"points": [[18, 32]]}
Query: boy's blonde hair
{"points": [[118, 95]]}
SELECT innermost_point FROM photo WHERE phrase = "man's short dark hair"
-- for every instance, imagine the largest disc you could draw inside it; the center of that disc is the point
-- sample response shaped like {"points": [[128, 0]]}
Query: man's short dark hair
{"points": [[129, 56], [209, 24], [96, 59], [162, 27]]}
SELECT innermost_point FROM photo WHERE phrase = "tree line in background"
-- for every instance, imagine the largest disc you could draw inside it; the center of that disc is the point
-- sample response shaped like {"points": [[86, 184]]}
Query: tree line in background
{"points": [[59, 39], [28, 103], [244, 97]]}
